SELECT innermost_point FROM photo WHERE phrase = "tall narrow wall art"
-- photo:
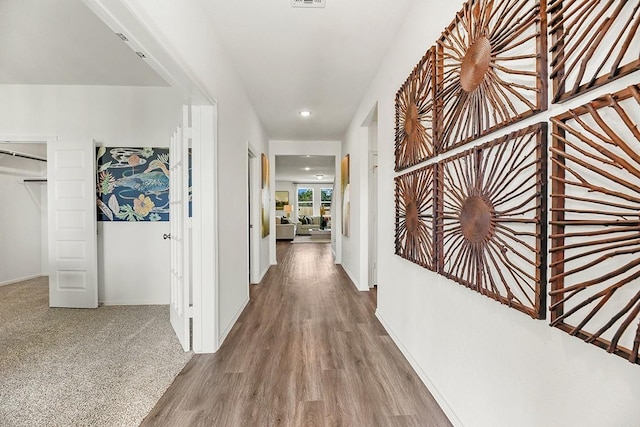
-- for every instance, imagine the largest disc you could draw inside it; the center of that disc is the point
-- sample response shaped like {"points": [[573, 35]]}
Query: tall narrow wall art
{"points": [[491, 69], [595, 236], [346, 195], [415, 209], [265, 197], [415, 115], [592, 43], [492, 217]]}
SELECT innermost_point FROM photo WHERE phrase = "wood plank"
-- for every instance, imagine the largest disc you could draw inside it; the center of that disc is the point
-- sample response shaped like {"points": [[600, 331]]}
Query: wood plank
{"points": [[307, 351]]}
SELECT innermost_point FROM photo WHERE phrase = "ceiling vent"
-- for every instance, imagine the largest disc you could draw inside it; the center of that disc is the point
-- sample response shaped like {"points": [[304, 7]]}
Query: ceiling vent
{"points": [[308, 3]]}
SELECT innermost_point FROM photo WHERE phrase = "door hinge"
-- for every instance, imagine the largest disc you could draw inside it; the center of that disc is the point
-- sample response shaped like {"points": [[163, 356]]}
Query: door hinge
{"points": [[190, 312]]}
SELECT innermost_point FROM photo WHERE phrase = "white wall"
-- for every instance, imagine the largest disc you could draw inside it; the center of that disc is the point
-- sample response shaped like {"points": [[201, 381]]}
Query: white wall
{"points": [[488, 365], [354, 247], [21, 212], [132, 258], [185, 31]]}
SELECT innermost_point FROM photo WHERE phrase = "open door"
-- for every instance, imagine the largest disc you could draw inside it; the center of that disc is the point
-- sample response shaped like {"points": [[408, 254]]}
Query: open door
{"points": [[73, 265], [179, 217]]}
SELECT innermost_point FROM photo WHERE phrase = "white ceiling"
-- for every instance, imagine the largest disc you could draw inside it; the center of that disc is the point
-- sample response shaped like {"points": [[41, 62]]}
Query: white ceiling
{"points": [[62, 42], [292, 168], [288, 59], [318, 59]]}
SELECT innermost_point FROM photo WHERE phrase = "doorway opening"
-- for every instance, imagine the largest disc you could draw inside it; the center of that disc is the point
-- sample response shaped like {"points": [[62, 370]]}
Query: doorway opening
{"points": [[23, 221]]}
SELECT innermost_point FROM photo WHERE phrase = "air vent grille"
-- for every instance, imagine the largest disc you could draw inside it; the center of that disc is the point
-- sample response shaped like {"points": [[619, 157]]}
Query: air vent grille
{"points": [[308, 3]]}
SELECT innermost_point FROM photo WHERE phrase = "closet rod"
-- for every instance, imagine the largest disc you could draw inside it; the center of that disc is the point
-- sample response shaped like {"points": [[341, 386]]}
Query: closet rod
{"points": [[25, 156]]}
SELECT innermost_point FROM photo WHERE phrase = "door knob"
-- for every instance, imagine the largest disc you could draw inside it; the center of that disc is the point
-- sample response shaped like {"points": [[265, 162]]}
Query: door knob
{"points": [[166, 236]]}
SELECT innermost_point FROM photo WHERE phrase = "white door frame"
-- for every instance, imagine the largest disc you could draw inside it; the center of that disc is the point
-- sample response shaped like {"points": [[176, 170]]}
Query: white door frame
{"points": [[162, 57]]}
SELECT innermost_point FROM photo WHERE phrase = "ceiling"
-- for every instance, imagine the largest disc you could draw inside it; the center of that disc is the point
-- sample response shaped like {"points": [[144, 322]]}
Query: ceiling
{"points": [[61, 42], [291, 59], [292, 168], [288, 59]]}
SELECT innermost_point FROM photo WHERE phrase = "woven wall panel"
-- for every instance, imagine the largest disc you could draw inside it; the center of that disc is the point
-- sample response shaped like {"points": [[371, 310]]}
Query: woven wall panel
{"points": [[595, 236], [593, 43], [491, 69], [415, 210], [492, 219]]}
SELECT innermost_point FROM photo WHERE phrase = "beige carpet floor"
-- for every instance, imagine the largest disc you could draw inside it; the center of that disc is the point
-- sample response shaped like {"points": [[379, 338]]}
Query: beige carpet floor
{"points": [[72, 367]]}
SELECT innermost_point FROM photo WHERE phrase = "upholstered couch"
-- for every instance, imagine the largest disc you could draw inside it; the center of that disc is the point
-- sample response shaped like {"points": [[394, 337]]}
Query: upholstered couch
{"points": [[285, 231], [303, 226]]}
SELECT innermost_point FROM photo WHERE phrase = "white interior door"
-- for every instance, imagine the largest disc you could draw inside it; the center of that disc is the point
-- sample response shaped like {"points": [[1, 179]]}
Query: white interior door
{"points": [[73, 265], [179, 217]]}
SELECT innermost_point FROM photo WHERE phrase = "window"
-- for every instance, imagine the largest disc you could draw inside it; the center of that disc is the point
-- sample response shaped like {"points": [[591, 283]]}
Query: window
{"points": [[305, 201], [326, 194]]}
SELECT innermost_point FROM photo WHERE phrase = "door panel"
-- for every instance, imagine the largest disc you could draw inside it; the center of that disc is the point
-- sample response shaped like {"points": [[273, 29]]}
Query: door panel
{"points": [[73, 271], [178, 216]]}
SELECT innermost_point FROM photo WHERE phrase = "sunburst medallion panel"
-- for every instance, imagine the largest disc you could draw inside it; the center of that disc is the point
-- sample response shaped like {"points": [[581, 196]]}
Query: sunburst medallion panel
{"points": [[593, 43], [415, 210], [492, 219], [491, 69], [595, 236], [415, 114]]}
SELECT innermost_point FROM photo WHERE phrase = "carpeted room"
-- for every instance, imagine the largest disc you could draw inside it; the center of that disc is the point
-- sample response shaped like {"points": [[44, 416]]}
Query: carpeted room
{"points": [[105, 366]]}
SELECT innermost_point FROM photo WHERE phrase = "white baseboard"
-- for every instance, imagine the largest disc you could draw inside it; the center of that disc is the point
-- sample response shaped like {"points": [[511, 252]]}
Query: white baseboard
{"points": [[353, 280], [21, 279], [130, 302], [233, 321], [261, 276], [448, 410]]}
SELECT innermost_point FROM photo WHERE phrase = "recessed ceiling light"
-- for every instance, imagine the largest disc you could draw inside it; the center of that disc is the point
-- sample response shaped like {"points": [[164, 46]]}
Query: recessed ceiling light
{"points": [[319, 176], [307, 168], [305, 113]]}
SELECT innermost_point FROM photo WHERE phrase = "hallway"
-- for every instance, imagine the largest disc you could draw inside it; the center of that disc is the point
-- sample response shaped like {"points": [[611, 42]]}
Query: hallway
{"points": [[307, 350]]}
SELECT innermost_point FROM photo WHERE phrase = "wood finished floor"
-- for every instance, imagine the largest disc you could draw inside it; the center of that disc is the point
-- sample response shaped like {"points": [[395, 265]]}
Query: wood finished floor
{"points": [[307, 351]]}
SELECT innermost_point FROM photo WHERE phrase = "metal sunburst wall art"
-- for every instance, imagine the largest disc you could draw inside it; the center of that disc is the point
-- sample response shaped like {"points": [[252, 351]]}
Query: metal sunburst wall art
{"points": [[491, 69], [595, 235], [492, 219], [414, 114], [415, 210], [593, 43]]}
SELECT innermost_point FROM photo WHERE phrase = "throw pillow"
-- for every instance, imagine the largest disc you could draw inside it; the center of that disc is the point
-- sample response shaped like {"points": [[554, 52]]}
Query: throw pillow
{"points": [[284, 220], [278, 220]]}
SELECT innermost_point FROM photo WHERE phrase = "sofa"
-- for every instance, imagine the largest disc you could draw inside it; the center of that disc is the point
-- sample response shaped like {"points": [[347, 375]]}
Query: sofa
{"points": [[305, 224], [285, 231]]}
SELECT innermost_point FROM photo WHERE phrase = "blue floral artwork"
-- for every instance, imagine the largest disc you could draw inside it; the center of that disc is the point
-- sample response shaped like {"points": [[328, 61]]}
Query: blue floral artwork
{"points": [[133, 184]]}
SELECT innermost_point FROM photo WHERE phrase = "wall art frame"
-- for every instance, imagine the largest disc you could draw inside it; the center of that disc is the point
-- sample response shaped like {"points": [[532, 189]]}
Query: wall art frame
{"points": [[415, 114], [345, 188], [582, 33], [132, 184], [491, 219], [491, 69], [415, 199], [265, 196], [282, 199], [595, 228]]}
